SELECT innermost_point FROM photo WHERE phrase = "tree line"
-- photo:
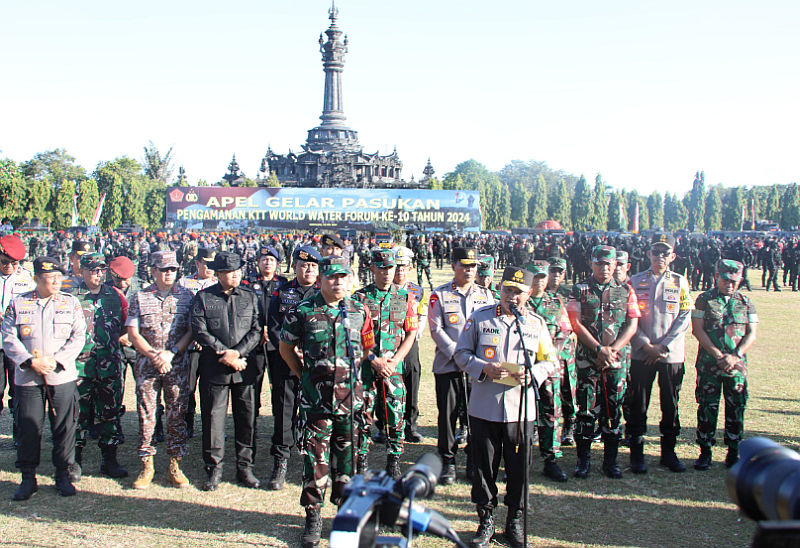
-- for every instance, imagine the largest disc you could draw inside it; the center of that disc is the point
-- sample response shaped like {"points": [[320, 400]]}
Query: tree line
{"points": [[53, 188]]}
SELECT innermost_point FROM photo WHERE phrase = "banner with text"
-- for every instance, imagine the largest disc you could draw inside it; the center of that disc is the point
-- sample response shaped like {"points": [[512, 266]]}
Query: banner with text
{"points": [[234, 208]]}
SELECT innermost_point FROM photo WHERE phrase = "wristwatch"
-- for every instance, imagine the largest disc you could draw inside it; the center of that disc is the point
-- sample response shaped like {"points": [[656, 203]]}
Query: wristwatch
{"points": [[738, 354], [598, 349], [175, 349]]}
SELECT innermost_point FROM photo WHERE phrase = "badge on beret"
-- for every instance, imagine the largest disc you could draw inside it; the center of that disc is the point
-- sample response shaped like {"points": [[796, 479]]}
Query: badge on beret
{"points": [[303, 255]]}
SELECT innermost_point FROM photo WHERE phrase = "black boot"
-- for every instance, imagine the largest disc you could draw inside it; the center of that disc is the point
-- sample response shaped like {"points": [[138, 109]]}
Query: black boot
{"points": [[379, 437], [393, 466], [313, 530], [109, 465], [732, 457], [27, 486], [584, 458], [214, 478], [246, 477], [278, 477], [74, 469], [553, 471], [189, 417], [448, 476], [461, 435], [568, 432], [514, 531], [361, 464], [610, 468], [703, 462], [638, 465], [63, 484], [483, 536], [668, 456]]}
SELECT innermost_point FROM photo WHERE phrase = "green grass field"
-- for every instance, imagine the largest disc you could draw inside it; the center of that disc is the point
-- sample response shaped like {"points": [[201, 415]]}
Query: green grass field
{"points": [[656, 509]]}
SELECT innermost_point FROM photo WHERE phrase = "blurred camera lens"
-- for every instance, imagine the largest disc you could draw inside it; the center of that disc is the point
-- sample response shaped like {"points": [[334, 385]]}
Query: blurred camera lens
{"points": [[765, 483]]}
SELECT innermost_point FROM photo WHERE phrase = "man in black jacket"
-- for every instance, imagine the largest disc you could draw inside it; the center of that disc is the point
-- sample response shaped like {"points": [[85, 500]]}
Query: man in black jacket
{"points": [[225, 325]]}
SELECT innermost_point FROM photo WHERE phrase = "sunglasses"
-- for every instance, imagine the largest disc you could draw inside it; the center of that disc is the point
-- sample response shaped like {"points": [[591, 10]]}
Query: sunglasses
{"points": [[168, 269], [660, 253]]}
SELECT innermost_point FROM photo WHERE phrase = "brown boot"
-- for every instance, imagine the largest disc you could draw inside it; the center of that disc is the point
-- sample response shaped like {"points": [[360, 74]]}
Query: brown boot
{"points": [[145, 477], [176, 476]]}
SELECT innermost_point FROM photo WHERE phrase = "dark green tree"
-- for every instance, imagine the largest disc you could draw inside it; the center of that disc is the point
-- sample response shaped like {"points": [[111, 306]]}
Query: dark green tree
{"points": [[600, 207], [519, 204], [559, 207], [62, 216], [582, 205], [12, 192], [537, 204], [713, 215], [772, 204], [790, 207], [675, 214], [655, 210], [88, 198], [616, 212], [697, 202], [732, 204]]}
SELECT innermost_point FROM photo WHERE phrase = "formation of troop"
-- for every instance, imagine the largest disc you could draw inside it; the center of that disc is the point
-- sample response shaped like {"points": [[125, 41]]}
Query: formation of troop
{"points": [[563, 347]]}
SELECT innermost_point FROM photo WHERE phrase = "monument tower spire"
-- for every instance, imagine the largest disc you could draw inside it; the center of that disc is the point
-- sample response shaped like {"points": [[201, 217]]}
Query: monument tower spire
{"points": [[333, 133]]}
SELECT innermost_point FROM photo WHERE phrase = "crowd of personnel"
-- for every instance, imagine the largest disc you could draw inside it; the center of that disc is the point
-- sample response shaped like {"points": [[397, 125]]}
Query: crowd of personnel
{"points": [[208, 316]]}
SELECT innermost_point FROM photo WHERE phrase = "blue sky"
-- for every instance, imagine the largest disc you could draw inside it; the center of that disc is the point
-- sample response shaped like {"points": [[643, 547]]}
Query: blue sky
{"points": [[645, 93]]}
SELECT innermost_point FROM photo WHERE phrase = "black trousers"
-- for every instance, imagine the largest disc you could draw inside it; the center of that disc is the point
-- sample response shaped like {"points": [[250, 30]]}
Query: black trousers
{"points": [[285, 387], [6, 378], [30, 405], [450, 393], [490, 442], [670, 378], [194, 366], [214, 408], [412, 371]]}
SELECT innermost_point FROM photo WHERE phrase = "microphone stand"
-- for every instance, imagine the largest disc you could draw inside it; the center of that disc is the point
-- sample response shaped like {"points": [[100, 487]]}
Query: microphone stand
{"points": [[523, 416], [351, 358]]}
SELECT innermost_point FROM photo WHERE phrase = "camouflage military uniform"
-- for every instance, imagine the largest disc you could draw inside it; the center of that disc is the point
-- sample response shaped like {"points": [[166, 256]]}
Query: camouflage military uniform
{"points": [[552, 308], [100, 367], [393, 314], [422, 256], [328, 390], [603, 310], [725, 321], [162, 321]]}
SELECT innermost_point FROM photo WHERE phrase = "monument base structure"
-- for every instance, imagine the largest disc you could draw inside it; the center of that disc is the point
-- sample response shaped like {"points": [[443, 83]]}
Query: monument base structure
{"points": [[306, 209]]}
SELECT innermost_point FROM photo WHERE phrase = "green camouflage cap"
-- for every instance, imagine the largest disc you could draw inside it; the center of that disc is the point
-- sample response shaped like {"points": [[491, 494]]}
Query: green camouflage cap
{"points": [[383, 258], [622, 257], [538, 268], [90, 261], [333, 265], [557, 262], [730, 270], [485, 265], [601, 253]]}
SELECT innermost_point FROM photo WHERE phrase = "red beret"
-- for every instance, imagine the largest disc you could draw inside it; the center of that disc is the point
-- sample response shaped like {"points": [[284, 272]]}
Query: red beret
{"points": [[12, 246], [122, 267]]}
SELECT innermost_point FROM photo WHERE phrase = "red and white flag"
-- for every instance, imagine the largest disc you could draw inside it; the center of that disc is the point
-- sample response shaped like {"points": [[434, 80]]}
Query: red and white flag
{"points": [[98, 211], [635, 228]]}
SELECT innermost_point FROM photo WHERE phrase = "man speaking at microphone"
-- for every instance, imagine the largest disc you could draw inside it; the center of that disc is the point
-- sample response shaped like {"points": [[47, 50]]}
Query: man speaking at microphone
{"points": [[490, 351]]}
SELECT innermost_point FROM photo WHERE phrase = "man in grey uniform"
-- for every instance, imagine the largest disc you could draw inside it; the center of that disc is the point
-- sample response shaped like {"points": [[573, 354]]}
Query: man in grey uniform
{"points": [[658, 347], [43, 332], [490, 351], [450, 307]]}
